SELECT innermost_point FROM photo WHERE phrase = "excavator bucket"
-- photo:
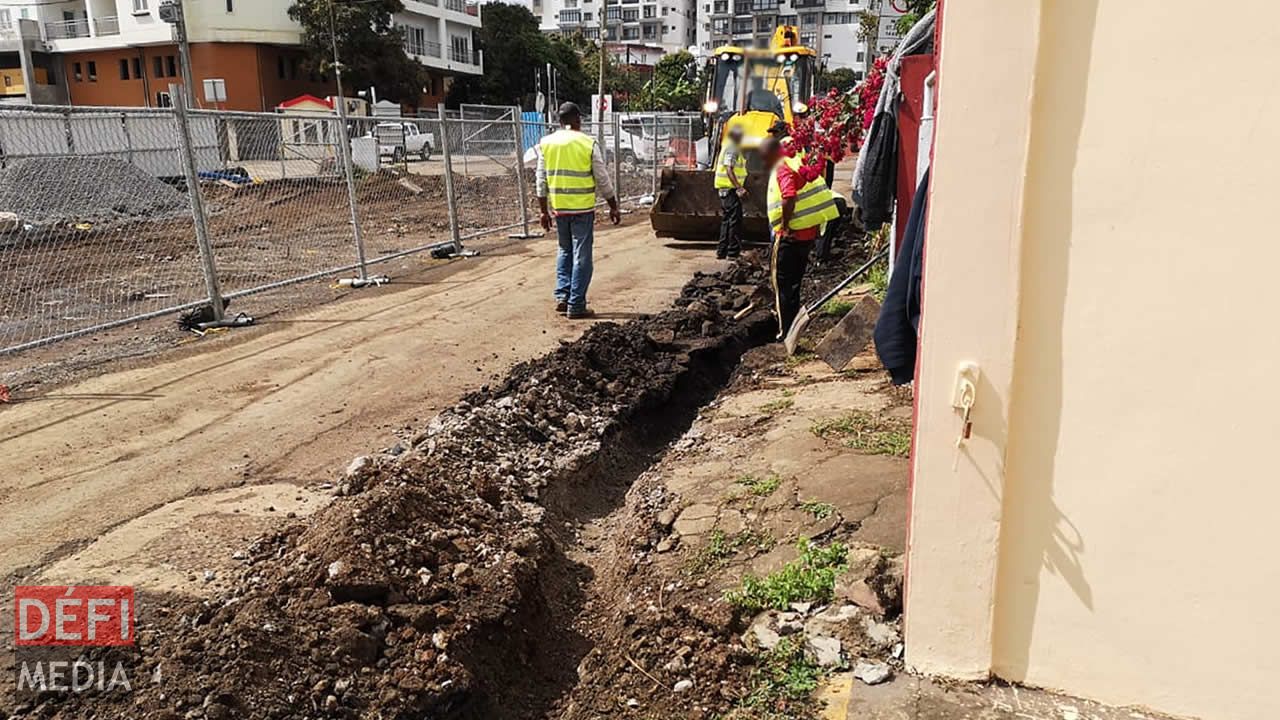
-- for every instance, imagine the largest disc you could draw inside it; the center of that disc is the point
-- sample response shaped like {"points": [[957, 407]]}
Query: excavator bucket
{"points": [[687, 206]]}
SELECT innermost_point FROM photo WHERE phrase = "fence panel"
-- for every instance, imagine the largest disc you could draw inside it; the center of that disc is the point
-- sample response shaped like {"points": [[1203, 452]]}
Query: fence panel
{"points": [[88, 240]]}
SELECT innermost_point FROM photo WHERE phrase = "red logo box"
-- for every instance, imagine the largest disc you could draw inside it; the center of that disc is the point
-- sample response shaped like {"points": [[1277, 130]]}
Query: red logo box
{"points": [[53, 615]]}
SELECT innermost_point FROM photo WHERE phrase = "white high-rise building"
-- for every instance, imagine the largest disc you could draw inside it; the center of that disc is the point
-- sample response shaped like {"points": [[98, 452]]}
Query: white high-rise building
{"points": [[668, 24], [829, 26]]}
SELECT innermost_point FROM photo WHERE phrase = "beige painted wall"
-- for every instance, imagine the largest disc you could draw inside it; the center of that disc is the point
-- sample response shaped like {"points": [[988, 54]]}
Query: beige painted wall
{"points": [[1120, 216]]}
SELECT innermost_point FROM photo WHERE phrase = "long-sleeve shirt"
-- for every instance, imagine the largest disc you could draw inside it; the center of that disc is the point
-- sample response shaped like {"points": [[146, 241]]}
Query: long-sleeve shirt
{"points": [[599, 170]]}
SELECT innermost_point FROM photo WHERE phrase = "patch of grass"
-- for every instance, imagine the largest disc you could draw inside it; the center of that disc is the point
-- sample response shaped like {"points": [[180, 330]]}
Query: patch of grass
{"points": [[819, 510], [760, 487], [869, 432], [801, 357], [721, 547], [878, 276], [774, 407], [783, 682], [836, 308], [809, 578]]}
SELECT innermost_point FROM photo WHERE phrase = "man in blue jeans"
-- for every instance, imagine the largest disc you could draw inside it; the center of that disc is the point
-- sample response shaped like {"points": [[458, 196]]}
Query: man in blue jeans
{"points": [[572, 173]]}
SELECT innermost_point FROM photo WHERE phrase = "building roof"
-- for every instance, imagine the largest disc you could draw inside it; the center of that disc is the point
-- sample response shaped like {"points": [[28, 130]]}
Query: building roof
{"points": [[305, 100]]}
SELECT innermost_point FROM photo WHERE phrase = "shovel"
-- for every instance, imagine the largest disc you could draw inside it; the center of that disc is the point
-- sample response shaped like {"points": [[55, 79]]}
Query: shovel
{"points": [[802, 319]]}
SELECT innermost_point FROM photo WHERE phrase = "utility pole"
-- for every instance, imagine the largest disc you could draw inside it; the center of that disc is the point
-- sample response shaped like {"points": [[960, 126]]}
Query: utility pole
{"points": [[604, 56], [173, 13]]}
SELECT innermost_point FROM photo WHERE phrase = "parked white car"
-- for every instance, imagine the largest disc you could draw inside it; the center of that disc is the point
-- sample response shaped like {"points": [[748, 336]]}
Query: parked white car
{"points": [[400, 140]]}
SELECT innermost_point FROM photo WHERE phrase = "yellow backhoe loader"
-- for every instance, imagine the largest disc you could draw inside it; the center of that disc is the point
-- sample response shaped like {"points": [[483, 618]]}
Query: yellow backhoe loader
{"points": [[754, 88]]}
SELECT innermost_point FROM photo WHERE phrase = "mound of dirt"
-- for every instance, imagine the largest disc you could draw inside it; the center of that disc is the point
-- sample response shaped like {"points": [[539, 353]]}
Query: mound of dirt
{"points": [[85, 189], [427, 590]]}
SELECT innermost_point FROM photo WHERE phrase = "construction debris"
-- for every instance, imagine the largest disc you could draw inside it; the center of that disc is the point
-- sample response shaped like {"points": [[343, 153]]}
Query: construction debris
{"points": [[85, 190]]}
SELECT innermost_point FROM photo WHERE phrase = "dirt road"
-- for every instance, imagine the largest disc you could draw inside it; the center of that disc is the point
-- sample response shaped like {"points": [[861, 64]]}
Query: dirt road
{"points": [[291, 406]]}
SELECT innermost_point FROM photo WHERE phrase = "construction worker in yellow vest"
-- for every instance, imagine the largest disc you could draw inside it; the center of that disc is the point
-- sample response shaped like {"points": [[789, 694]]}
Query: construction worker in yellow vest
{"points": [[731, 173], [800, 204], [572, 174]]}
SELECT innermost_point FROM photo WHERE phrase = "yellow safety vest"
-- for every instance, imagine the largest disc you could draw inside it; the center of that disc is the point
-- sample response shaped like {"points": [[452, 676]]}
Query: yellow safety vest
{"points": [[571, 185], [815, 203], [722, 171]]}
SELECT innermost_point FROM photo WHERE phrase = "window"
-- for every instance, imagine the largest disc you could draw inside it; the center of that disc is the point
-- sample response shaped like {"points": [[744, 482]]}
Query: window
{"points": [[25, 14], [764, 5], [569, 17], [650, 32], [8, 81], [742, 26], [765, 24], [742, 7], [140, 7], [93, 71], [231, 6], [79, 75], [6, 19], [171, 66], [124, 69], [631, 33], [157, 67], [630, 15], [840, 19], [137, 68], [720, 26], [862, 56], [650, 11], [586, 17], [163, 100], [722, 7]]}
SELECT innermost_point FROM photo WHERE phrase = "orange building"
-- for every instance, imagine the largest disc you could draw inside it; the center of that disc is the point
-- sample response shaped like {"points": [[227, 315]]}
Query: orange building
{"points": [[257, 77]]}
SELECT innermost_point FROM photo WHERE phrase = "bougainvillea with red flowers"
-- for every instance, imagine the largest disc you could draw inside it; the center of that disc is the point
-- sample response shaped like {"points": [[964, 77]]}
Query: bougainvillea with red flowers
{"points": [[836, 123]]}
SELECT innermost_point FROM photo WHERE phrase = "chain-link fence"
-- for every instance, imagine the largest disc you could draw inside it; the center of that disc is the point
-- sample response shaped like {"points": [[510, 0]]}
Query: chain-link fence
{"points": [[112, 216]]}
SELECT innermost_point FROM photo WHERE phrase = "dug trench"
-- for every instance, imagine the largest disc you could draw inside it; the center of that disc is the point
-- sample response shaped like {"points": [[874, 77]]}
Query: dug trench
{"points": [[443, 582]]}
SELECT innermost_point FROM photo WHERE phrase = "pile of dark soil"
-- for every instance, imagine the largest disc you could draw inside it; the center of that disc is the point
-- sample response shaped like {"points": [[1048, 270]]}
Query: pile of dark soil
{"points": [[431, 589]]}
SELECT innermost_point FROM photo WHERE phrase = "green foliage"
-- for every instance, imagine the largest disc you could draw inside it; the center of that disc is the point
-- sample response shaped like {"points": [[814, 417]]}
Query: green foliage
{"points": [[760, 487], [513, 48], [819, 510], [773, 407], [370, 47], [868, 432], [809, 578], [842, 79], [837, 308], [783, 682], [916, 9], [878, 276], [716, 553], [670, 87]]}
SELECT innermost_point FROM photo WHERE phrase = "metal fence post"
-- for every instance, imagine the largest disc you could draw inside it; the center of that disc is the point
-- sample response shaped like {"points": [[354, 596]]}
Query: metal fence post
{"points": [[617, 155], [348, 170], [450, 196], [517, 122], [207, 264], [654, 191]]}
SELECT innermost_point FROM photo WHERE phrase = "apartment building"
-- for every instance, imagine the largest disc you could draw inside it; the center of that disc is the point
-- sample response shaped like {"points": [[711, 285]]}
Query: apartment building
{"points": [[829, 26], [667, 24], [120, 53]]}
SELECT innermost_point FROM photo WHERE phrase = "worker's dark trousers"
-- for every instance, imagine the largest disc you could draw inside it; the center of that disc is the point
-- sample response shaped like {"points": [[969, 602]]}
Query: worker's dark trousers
{"points": [[730, 225], [790, 260]]}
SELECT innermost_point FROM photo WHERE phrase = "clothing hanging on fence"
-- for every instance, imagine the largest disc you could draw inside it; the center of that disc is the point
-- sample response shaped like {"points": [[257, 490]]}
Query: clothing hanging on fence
{"points": [[875, 175], [898, 326]]}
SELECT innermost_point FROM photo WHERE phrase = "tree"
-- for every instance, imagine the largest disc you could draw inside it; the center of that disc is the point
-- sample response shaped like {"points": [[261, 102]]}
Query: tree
{"points": [[370, 48], [670, 87], [916, 9], [843, 79], [514, 48]]}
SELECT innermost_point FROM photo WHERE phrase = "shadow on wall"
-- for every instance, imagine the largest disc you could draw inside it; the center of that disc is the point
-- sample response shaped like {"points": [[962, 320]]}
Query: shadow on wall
{"points": [[1036, 537]]}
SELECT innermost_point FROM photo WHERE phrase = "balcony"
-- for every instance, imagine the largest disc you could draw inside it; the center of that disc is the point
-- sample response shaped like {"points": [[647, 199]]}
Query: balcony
{"points": [[465, 56], [422, 48], [810, 3], [455, 5], [66, 29], [109, 25]]}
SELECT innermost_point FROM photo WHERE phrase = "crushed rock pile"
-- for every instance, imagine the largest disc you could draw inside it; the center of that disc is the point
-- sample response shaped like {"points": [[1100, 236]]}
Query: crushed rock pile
{"points": [[50, 190], [400, 598]]}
